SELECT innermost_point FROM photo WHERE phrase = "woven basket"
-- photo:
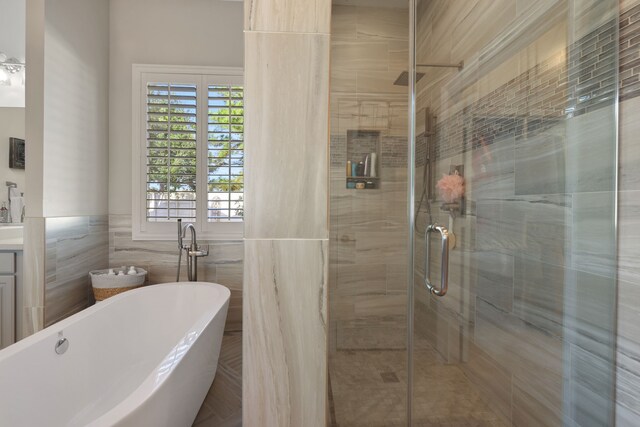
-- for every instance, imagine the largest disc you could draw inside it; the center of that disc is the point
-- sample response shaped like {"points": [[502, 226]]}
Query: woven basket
{"points": [[106, 285]]}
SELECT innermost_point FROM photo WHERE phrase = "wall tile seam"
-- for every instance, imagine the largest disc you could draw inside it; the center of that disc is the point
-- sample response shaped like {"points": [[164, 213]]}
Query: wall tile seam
{"points": [[72, 216], [293, 239], [287, 32], [125, 234]]}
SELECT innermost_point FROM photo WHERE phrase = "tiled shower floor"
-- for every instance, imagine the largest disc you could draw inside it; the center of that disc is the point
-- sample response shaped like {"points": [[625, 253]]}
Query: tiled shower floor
{"points": [[368, 388]]}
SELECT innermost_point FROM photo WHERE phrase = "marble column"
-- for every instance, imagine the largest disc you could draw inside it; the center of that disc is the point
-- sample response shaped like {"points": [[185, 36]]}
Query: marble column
{"points": [[286, 202]]}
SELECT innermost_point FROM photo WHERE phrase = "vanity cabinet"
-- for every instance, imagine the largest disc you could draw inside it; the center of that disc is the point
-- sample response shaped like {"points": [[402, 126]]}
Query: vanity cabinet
{"points": [[7, 298], [7, 310]]}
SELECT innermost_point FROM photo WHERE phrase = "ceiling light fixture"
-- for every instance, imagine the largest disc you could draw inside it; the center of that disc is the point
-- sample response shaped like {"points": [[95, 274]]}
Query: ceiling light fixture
{"points": [[11, 71]]}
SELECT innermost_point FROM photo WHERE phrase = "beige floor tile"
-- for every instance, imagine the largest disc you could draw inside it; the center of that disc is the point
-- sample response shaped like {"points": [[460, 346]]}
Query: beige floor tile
{"points": [[368, 388], [222, 407]]}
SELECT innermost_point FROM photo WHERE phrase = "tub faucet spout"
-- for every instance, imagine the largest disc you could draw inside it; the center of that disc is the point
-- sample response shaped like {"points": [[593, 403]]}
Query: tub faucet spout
{"points": [[192, 249]]}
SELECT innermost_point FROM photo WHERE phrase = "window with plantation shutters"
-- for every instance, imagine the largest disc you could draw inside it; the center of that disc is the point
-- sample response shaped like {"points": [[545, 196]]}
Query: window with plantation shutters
{"points": [[225, 139], [188, 151], [171, 151]]}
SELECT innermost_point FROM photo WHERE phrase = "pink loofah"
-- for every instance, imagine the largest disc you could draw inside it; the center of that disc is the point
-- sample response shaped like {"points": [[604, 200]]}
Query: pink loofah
{"points": [[451, 187]]}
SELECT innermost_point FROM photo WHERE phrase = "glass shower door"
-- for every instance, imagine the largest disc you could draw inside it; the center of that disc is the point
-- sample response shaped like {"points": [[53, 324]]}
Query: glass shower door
{"points": [[368, 251], [514, 160]]}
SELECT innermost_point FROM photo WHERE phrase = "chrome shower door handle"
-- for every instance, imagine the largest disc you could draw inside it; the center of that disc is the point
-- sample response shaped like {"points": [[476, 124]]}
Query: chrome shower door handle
{"points": [[444, 261]]}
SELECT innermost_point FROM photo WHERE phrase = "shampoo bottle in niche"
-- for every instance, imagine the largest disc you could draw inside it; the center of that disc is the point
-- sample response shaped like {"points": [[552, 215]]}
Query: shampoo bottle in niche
{"points": [[360, 169], [367, 165], [349, 168], [372, 167]]}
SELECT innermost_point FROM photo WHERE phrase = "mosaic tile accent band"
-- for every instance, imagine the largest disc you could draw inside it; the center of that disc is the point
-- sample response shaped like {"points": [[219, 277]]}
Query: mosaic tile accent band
{"points": [[552, 91], [630, 53]]}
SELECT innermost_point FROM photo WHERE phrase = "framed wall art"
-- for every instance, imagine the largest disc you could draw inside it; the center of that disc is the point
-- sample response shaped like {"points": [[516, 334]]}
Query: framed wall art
{"points": [[16, 153]]}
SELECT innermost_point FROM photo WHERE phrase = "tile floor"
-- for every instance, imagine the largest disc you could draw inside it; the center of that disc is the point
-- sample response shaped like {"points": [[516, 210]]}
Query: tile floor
{"points": [[223, 405], [368, 389]]}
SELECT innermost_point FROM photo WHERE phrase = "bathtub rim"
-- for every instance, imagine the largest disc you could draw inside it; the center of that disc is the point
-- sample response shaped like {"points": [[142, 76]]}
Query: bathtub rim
{"points": [[39, 336]]}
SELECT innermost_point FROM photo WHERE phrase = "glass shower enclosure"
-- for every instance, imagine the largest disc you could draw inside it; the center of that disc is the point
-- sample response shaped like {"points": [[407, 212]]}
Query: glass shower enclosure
{"points": [[473, 212]]}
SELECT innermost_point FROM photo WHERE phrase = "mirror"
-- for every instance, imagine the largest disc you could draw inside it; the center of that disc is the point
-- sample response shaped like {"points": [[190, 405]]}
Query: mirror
{"points": [[12, 109]]}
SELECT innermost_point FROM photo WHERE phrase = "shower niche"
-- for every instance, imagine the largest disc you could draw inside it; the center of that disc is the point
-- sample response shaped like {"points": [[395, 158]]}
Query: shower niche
{"points": [[363, 160]]}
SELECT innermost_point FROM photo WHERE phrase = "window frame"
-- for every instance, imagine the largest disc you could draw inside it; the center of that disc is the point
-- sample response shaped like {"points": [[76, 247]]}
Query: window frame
{"points": [[202, 76]]}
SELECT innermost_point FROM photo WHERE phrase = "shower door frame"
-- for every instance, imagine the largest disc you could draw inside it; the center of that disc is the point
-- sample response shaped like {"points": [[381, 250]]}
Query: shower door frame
{"points": [[411, 181]]}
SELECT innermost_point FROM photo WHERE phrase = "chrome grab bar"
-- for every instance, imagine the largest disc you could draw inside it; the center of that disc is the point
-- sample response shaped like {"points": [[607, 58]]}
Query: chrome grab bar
{"points": [[444, 262]]}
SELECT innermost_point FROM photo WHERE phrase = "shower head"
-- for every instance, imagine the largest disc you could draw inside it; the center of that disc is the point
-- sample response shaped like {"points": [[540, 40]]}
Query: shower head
{"points": [[403, 78]]}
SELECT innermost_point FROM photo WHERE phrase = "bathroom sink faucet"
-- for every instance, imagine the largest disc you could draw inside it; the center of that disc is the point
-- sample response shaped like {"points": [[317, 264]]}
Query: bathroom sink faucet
{"points": [[192, 250], [10, 185]]}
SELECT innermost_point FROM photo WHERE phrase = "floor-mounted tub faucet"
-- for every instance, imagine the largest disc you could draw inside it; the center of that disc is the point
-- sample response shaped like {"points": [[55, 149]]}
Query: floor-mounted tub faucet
{"points": [[192, 249]]}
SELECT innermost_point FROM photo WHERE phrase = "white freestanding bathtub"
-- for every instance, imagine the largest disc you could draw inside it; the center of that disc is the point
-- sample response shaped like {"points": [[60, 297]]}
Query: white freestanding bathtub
{"points": [[146, 357]]}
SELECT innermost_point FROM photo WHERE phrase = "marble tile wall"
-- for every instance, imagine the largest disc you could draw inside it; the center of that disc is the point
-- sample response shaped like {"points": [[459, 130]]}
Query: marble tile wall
{"points": [[160, 258], [292, 337], [34, 277], [628, 332], [368, 252], [287, 46], [287, 16], [369, 50], [74, 246], [368, 261], [307, 176]]}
